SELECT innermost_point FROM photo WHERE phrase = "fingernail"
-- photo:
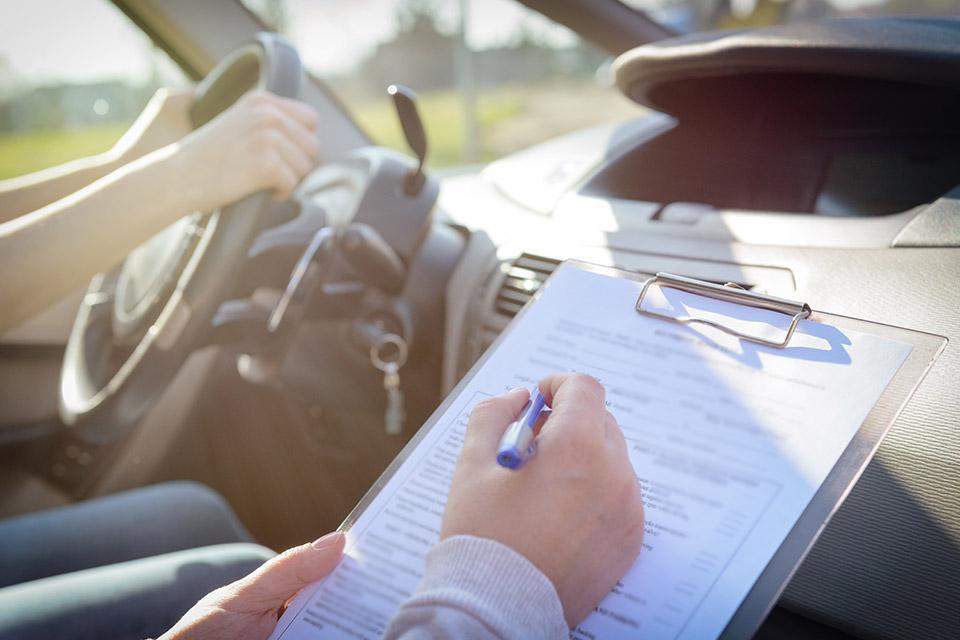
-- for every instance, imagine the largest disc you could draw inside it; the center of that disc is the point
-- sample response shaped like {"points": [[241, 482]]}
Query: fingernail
{"points": [[516, 390], [328, 540]]}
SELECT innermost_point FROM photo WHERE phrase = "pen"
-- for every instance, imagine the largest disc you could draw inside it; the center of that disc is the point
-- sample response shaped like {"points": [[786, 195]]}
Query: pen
{"points": [[517, 444]]}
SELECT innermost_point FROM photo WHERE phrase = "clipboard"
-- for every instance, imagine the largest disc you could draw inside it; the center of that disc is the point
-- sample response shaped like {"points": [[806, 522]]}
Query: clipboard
{"points": [[767, 588], [848, 469]]}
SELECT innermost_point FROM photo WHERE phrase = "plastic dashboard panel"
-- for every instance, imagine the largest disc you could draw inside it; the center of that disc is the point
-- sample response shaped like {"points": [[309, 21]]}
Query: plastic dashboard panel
{"points": [[841, 117], [918, 50]]}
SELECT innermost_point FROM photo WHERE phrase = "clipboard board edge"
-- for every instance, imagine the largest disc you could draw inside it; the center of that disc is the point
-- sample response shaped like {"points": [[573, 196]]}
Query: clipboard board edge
{"points": [[845, 473]]}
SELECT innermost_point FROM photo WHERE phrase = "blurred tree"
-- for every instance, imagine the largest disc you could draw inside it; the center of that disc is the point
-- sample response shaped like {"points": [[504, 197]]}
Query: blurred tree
{"points": [[422, 16]]}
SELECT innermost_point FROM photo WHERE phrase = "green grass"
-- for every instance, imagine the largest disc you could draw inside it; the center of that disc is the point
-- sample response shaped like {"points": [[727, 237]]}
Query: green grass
{"points": [[442, 111], [443, 116], [509, 118], [22, 153]]}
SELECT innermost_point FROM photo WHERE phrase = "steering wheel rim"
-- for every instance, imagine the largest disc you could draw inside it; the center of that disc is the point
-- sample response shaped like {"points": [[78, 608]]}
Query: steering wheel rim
{"points": [[101, 402]]}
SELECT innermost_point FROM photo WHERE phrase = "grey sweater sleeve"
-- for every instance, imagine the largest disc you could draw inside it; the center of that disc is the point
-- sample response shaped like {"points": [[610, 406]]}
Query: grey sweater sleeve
{"points": [[476, 588]]}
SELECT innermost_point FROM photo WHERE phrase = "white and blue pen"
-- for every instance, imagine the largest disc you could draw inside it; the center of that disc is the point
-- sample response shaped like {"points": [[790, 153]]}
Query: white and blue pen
{"points": [[518, 445]]}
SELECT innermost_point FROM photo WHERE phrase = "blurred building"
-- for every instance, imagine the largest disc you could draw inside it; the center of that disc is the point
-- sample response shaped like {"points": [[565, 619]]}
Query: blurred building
{"points": [[422, 57], [71, 106]]}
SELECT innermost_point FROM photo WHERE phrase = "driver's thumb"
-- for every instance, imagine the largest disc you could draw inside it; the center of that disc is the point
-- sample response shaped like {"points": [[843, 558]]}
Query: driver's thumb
{"points": [[281, 577]]}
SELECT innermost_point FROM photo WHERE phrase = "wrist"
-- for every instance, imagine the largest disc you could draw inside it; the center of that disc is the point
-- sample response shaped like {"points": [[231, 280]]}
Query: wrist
{"points": [[162, 184], [193, 182], [178, 185], [495, 583]]}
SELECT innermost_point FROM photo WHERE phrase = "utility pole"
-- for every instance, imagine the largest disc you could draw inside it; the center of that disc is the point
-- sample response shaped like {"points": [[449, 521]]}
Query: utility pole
{"points": [[463, 67]]}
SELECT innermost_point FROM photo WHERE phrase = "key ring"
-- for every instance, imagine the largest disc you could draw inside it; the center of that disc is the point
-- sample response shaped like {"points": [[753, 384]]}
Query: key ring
{"points": [[382, 341]]}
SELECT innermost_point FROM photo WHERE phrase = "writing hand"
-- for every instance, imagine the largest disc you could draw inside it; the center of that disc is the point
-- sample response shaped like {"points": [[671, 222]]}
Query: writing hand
{"points": [[249, 608], [574, 510]]}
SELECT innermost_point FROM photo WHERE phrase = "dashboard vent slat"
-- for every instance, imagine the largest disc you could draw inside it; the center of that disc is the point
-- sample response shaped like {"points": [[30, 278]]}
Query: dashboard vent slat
{"points": [[522, 280]]}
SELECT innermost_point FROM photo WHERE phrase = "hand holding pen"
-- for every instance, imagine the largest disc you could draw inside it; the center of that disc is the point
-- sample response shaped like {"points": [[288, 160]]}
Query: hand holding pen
{"points": [[574, 510], [518, 443]]}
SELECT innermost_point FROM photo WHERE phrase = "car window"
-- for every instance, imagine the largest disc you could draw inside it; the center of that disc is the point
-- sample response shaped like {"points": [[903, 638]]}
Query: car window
{"points": [[514, 79], [73, 75]]}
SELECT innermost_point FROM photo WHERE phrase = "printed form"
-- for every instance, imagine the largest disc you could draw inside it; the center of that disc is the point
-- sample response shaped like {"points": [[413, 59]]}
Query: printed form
{"points": [[729, 441]]}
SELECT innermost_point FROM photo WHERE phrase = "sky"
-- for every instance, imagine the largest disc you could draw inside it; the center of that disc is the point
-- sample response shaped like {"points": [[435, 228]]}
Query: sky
{"points": [[43, 40]]}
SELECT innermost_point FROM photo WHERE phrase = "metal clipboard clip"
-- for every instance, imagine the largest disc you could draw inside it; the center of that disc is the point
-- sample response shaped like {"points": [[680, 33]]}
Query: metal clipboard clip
{"points": [[729, 292]]}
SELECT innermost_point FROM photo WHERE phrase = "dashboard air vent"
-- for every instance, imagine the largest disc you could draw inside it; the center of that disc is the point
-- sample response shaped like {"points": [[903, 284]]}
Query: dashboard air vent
{"points": [[524, 277]]}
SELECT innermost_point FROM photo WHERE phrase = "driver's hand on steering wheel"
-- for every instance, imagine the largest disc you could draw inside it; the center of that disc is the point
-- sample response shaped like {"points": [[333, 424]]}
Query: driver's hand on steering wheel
{"points": [[262, 142]]}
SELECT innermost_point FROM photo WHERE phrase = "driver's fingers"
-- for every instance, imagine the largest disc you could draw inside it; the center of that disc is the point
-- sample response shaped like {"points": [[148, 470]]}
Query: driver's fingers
{"points": [[288, 167], [285, 180], [293, 119], [302, 112], [301, 136], [295, 133], [294, 157]]}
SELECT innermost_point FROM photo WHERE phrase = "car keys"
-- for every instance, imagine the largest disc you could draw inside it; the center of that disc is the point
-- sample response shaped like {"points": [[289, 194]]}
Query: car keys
{"points": [[395, 414]]}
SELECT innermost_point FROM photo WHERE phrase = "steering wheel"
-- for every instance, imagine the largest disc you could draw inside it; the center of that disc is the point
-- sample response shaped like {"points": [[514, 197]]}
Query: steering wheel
{"points": [[138, 323]]}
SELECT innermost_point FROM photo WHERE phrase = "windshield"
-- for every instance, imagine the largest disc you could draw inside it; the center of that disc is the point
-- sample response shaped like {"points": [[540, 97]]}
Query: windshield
{"points": [[492, 76], [684, 16]]}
